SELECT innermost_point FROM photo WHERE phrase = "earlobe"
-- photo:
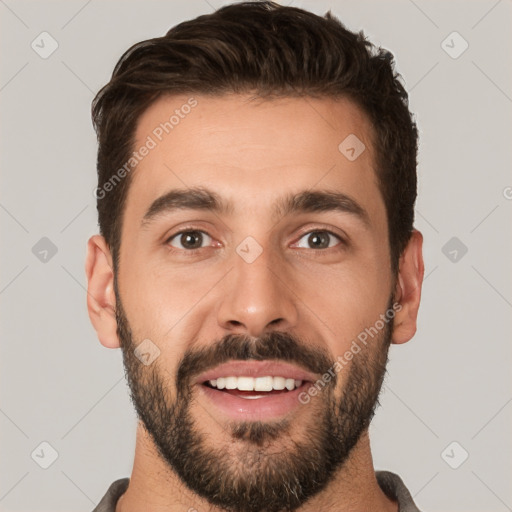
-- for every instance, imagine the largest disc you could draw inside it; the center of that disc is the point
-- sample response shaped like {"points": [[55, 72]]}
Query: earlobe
{"points": [[408, 290], [100, 291]]}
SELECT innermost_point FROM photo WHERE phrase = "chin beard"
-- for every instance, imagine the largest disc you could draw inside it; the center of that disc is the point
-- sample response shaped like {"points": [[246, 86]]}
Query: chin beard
{"points": [[263, 466]]}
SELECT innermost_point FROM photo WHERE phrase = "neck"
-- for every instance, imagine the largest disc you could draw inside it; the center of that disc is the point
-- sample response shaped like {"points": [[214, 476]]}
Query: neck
{"points": [[154, 486]]}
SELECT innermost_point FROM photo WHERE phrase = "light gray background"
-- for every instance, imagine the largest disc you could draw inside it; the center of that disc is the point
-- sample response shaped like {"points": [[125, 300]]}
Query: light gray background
{"points": [[450, 383]]}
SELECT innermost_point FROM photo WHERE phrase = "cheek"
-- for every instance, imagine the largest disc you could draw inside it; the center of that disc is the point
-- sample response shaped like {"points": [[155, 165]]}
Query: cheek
{"points": [[345, 293], [168, 306], [345, 302], [155, 295]]}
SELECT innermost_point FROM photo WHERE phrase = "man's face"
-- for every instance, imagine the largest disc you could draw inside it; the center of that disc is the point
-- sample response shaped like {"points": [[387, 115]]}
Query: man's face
{"points": [[254, 294]]}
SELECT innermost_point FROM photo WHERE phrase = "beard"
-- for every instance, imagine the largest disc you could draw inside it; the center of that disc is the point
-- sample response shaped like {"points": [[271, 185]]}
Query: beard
{"points": [[265, 466]]}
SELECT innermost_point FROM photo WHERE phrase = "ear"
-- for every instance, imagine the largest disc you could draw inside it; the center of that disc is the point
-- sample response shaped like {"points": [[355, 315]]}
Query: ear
{"points": [[408, 289], [101, 299]]}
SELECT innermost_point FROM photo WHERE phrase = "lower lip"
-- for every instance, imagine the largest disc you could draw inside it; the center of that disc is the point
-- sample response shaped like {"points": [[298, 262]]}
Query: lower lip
{"points": [[267, 407]]}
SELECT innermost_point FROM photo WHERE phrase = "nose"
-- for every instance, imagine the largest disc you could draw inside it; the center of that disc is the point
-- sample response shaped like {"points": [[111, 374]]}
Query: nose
{"points": [[257, 297]]}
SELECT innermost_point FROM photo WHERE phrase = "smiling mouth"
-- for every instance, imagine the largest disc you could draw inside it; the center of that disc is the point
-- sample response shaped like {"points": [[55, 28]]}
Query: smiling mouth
{"points": [[254, 387]]}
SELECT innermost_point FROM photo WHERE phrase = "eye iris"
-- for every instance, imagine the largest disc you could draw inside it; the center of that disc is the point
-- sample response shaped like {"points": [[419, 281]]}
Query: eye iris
{"points": [[318, 239], [190, 237]]}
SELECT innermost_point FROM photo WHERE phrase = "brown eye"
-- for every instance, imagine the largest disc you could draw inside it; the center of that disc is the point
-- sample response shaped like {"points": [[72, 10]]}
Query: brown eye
{"points": [[188, 240], [319, 239]]}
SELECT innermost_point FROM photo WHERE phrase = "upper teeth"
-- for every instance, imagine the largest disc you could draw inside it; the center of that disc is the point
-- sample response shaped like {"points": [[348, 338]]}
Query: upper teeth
{"points": [[255, 383]]}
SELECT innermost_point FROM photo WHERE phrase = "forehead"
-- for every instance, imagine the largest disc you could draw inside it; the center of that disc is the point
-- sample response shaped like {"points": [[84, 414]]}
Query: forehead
{"points": [[252, 150]]}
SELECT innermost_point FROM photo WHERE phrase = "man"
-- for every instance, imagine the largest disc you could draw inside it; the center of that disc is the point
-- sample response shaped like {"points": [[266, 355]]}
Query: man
{"points": [[257, 257]]}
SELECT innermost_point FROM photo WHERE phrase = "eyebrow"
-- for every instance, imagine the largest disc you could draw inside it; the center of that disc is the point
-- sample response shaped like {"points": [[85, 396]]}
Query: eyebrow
{"points": [[305, 201]]}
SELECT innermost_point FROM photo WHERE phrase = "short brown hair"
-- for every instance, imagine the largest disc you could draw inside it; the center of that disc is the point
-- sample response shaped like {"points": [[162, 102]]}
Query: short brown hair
{"points": [[274, 51]]}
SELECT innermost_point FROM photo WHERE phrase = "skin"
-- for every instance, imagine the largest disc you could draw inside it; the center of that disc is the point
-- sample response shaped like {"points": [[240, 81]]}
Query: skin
{"points": [[253, 152]]}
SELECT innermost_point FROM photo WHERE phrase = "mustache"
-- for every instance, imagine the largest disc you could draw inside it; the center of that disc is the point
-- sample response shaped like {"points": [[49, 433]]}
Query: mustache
{"points": [[277, 345]]}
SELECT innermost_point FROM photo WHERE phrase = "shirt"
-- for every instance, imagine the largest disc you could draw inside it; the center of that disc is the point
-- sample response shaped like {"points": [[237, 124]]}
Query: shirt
{"points": [[390, 483]]}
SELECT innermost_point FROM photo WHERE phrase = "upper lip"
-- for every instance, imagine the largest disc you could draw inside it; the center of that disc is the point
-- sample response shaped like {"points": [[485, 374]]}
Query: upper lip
{"points": [[256, 369]]}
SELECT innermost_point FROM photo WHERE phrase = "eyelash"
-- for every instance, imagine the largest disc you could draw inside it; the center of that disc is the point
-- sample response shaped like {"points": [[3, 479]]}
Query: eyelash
{"points": [[194, 251]]}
